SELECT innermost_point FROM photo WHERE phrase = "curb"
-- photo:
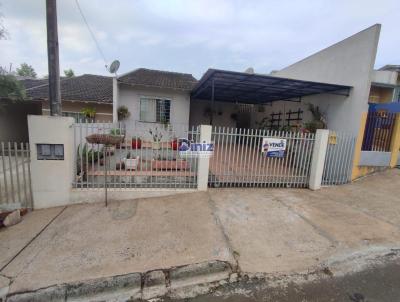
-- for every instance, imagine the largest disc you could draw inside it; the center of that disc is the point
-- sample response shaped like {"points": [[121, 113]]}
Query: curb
{"points": [[177, 282]]}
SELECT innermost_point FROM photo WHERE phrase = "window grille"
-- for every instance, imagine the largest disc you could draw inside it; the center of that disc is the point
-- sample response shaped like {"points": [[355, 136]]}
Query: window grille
{"points": [[155, 110]]}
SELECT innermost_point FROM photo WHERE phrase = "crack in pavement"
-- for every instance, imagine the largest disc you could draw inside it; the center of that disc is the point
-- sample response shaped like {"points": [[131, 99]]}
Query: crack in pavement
{"points": [[33, 239], [220, 226], [320, 231]]}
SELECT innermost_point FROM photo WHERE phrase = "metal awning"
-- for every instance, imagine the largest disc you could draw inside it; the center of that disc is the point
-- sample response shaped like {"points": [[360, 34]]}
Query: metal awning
{"points": [[242, 87]]}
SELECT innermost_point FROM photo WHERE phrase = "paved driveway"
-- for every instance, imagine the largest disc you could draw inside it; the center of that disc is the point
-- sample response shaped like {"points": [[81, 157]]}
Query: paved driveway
{"points": [[268, 231]]}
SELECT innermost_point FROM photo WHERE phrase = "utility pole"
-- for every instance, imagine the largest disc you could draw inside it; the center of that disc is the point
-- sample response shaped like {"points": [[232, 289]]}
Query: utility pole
{"points": [[53, 58]]}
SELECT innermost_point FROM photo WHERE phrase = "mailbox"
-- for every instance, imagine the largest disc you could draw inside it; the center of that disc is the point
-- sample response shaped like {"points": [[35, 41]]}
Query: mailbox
{"points": [[50, 151]]}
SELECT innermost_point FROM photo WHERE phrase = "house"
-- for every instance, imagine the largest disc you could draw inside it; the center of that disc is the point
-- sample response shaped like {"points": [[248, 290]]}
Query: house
{"points": [[338, 82], [154, 98], [385, 89], [77, 93], [335, 81]]}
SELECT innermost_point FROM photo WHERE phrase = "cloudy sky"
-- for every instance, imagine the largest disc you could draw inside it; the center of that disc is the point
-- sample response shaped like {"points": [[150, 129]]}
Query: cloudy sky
{"points": [[193, 35]]}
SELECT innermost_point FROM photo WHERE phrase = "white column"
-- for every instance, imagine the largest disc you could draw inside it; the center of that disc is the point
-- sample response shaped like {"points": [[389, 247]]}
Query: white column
{"points": [[51, 179], [318, 159], [204, 162], [115, 99]]}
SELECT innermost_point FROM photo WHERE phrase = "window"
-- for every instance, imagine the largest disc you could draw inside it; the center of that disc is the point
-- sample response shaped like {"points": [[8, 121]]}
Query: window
{"points": [[155, 110]]}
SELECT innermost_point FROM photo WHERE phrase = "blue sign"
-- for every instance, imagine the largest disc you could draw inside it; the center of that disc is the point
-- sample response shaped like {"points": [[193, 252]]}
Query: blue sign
{"points": [[273, 147]]}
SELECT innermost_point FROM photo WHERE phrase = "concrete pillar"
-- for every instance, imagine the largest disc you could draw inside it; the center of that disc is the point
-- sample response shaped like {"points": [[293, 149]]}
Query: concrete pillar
{"points": [[318, 159], [395, 142], [51, 179], [115, 99], [203, 162], [357, 149]]}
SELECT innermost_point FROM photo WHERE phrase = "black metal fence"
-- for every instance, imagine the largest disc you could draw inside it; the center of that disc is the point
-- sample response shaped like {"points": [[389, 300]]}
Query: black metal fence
{"points": [[378, 131]]}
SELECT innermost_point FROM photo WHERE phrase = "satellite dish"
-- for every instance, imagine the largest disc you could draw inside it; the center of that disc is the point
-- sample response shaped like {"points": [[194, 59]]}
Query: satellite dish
{"points": [[249, 70], [114, 66]]}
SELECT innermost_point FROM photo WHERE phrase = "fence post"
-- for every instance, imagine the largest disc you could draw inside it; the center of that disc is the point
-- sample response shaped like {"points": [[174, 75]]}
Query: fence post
{"points": [[395, 142], [318, 159], [115, 99], [52, 178], [204, 162], [357, 149]]}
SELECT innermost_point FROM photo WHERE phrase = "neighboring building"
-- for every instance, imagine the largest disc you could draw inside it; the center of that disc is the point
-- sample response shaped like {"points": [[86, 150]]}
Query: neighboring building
{"points": [[154, 98], [77, 93], [385, 89], [13, 119]]}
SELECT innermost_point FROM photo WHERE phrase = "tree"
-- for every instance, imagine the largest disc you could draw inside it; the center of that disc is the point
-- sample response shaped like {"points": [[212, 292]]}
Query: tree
{"points": [[10, 87], [26, 70], [69, 73], [3, 31]]}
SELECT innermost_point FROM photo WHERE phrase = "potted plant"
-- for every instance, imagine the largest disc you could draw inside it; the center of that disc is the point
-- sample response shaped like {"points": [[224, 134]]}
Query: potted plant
{"points": [[157, 137], [174, 144], [318, 122], [89, 113], [131, 163], [136, 142], [117, 132], [123, 113]]}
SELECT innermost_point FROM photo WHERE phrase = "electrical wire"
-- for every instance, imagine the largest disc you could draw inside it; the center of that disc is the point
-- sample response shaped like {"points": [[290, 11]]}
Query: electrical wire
{"points": [[92, 34]]}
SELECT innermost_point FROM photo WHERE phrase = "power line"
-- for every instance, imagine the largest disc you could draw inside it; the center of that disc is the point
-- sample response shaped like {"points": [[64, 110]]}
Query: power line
{"points": [[91, 33]]}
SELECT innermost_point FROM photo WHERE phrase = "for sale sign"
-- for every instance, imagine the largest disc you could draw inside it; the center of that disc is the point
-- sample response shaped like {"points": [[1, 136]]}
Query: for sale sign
{"points": [[273, 147]]}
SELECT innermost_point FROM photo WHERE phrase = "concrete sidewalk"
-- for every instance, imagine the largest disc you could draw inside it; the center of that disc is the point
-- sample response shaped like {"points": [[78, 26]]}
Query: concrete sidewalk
{"points": [[172, 245]]}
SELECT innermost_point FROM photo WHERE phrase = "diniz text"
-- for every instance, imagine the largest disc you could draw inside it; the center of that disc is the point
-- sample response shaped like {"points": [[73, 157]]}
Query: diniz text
{"points": [[189, 148]]}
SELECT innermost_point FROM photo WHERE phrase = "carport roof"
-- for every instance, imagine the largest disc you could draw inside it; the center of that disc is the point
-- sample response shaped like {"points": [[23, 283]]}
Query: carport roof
{"points": [[242, 87]]}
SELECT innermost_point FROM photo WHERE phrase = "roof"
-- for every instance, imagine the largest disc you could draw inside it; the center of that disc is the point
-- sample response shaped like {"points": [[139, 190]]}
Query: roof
{"points": [[30, 82], [390, 68], [159, 79], [231, 86], [86, 88]]}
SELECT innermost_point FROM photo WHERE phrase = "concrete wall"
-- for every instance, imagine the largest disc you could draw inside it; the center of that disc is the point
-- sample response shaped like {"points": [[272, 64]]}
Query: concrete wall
{"points": [[223, 113], [375, 159], [222, 117], [14, 122], [384, 77], [348, 62], [51, 179]]}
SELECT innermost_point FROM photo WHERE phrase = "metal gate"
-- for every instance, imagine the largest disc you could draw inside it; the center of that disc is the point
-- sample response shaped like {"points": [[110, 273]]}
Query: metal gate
{"points": [[338, 159], [147, 158], [238, 160], [15, 176]]}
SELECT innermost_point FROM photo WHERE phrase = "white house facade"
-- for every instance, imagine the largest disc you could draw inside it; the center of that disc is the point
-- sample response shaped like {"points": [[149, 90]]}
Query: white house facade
{"points": [[154, 99]]}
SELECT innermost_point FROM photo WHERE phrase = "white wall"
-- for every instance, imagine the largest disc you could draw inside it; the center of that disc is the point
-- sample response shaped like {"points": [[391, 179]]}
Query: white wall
{"points": [[222, 117], [180, 104], [51, 179], [348, 62], [385, 77]]}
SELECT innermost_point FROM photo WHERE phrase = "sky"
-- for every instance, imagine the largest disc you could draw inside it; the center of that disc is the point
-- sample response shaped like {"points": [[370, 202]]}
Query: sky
{"points": [[192, 35]]}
